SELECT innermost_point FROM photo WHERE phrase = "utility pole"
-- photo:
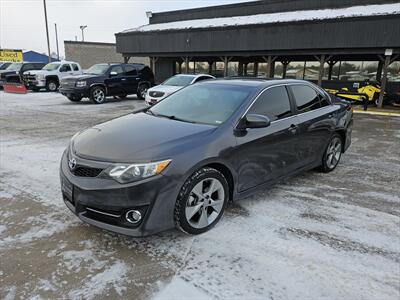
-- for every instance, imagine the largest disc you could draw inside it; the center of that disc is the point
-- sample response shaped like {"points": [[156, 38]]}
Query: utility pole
{"points": [[47, 29], [83, 28], [58, 52]]}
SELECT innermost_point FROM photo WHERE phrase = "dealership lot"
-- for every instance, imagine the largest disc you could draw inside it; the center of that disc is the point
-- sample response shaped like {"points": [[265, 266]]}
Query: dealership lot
{"points": [[316, 236]]}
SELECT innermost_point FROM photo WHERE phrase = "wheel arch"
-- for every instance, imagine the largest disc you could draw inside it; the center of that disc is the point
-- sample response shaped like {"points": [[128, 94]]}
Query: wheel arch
{"points": [[342, 134], [227, 174], [99, 84], [52, 77]]}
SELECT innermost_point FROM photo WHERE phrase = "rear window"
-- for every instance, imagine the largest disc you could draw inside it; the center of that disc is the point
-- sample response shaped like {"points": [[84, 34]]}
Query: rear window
{"points": [[75, 67]]}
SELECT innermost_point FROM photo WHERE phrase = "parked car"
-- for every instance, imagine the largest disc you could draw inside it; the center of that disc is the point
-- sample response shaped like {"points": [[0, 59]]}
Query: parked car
{"points": [[4, 65], [13, 73], [173, 84], [103, 80], [180, 161], [50, 75]]}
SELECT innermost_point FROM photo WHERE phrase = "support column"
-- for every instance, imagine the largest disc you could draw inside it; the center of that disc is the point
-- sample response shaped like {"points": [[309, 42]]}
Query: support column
{"points": [[379, 70], [153, 61], [226, 66], [331, 63], [388, 60], [270, 65], [255, 69], [187, 65], [245, 68], [126, 59], [210, 65], [322, 60], [284, 64], [240, 68]]}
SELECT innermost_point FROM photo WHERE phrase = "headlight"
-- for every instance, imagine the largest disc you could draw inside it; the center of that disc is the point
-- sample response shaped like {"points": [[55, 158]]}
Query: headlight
{"points": [[40, 77], [124, 173], [80, 83]]}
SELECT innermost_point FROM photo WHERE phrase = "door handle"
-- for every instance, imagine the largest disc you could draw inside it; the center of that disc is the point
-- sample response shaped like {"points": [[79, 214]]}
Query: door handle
{"points": [[123, 79], [330, 116], [293, 128]]}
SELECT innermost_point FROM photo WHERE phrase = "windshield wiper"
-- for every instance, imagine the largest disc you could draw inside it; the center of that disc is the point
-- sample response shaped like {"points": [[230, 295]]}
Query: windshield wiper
{"points": [[151, 112], [177, 119]]}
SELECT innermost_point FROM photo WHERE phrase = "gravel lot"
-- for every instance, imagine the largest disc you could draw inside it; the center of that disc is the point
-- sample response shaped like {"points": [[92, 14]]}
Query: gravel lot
{"points": [[315, 236]]}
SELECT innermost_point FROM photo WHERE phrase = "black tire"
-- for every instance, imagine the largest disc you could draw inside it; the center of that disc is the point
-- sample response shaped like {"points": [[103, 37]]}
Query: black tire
{"points": [[122, 97], [142, 90], [180, 218], [75, 98], [98, 95], [52, 85], [35, 89], [326, 166]]}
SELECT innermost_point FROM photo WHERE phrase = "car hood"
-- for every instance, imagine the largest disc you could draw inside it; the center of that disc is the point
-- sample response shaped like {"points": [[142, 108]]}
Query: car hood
{"points": [[167, 89], [79, 77], [37, 72], [138, 137]]}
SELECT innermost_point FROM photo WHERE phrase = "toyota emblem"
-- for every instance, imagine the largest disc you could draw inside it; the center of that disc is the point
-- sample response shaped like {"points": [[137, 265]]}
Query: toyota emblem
{"points": [[72, 164]]}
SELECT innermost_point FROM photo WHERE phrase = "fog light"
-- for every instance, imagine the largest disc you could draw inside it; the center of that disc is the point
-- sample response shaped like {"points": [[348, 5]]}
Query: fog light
{"points": [[133, 216]]}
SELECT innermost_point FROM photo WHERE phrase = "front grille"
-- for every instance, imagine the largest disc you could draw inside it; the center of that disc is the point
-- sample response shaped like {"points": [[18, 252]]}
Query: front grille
{"points": [[29, 78], [67, 83], [86, 171], [156, 94]]}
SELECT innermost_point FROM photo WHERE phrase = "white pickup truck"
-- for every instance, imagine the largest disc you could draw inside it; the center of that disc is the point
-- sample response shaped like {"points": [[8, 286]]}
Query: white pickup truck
{"points": [[50, 76]]}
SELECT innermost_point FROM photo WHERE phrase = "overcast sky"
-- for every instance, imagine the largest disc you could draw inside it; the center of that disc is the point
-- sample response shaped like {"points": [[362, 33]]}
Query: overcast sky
{"points": [[22, 23]]}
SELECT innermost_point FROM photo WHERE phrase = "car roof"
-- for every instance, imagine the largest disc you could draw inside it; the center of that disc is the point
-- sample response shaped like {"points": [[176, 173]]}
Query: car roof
{"points": [[254, 82], [194, 75]]}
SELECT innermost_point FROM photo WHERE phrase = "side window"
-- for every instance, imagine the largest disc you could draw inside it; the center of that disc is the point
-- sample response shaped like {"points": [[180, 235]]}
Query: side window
{"points": [[273, 103], [323, 100], [201, 78], [75, 67], [306, 98], [65, 68], [117, 69], [26, 67], [130, 70]]}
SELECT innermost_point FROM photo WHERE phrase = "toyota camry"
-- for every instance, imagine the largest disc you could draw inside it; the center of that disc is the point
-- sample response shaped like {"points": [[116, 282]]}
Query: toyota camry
{"points": [[178, 163]]}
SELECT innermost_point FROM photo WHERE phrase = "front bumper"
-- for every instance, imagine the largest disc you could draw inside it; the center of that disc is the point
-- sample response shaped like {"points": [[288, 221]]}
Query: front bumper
{"points": [[78, 92], [104, 202]]}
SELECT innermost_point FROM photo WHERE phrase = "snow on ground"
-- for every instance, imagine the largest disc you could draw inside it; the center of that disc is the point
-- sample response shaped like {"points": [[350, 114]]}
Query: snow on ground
{"points": [[280, 17], [315, 236]]}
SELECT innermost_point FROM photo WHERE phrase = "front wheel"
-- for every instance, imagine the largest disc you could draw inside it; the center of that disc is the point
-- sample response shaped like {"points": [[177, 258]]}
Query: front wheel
{"points": [[332, 154], [142, 91], [201, 201], [98, 95], [51, 85]]}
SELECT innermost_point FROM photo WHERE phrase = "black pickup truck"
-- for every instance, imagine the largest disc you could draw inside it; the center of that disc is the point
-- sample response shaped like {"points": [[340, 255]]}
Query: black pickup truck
{"points": [[102, 80], [13, 73]]}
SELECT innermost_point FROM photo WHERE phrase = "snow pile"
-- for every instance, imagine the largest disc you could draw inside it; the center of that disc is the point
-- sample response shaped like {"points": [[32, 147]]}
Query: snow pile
{"points": [[282, 17]]}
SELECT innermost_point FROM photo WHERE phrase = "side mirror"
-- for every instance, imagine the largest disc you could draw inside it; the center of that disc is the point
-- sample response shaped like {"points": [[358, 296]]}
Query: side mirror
{"points": [[112, 74], [256, 121]]}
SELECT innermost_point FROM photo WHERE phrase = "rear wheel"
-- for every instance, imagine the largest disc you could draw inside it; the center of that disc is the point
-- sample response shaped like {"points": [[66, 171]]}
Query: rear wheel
{"points": [[201, 201], [332, 154], [51, 85], [142, 90], [98, 95]]}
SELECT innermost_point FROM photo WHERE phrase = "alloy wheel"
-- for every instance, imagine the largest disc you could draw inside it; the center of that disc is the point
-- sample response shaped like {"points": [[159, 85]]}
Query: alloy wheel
{"points": [[333, 153], [143, 91], [98, 95], [205, 203], [52, 86]]}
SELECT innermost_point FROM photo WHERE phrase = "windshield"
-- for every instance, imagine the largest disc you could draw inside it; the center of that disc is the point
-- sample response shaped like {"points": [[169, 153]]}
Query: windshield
{"points": [[206, 103], [14, 67], [178, 80], [51, 67], [97, 69], [4, 66]]}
